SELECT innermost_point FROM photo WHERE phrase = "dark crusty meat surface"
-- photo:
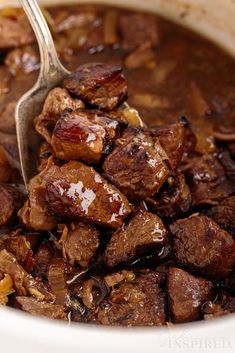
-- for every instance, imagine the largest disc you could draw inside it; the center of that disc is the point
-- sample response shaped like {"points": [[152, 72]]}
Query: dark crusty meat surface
{"points": [[76, 191], [57, 101], [34, 214], [224, 214], [208, 180], [36, 307], [201, 245], [174, 140], [100, 85], [84, 135], [137, 29], [79, 243], [145, 232], [137, 164], [11, 200], [140, 302], [187, 294], [174, 200]]}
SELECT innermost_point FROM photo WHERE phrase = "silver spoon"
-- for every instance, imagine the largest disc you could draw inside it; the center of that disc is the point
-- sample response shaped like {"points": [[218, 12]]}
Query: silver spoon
{"points": [[30, 105]]}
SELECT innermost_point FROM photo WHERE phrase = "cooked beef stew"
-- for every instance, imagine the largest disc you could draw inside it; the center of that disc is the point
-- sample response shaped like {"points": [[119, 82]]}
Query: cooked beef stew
{"points": [[123, 225]]}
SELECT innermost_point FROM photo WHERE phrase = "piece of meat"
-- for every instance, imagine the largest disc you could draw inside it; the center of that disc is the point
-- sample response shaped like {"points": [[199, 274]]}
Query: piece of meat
{"points": [[65, 20], [23, 60], [79, 243], [57, 101], [44, 153], [6, 170], [15, 31], [7, 118], [77, 192], [174, 200], [57, 280], [84, 135], [176, 139], [100, 85], [224, 214], [144, 233], [35, 307], [138, 302], [137, 29], [34, 214], [11, 200], [207, 180], [187, 294], [201, 245], [137, 164]]}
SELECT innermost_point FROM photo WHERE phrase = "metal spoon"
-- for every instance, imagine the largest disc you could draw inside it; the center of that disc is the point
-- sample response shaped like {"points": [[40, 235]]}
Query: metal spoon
{"points": [[30, 105]]}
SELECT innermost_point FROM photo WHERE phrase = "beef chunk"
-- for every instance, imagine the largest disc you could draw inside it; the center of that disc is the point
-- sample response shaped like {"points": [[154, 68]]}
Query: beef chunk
{"points": [[176, 139], [174, 200], [212, 310], [100, 85], [138, 302], [7, 118], [208, 181], [224, 214], [11, 199], [23, 60], [201, 245], [15, 31], [5, 79], [187, 294], [6, 171], [84, 135], [79, 243], [57, 101], [137, 29], [43, 257], [34, 214], [77, 192], [35, 307], [137, 165], [9, 145], [145, 232]]}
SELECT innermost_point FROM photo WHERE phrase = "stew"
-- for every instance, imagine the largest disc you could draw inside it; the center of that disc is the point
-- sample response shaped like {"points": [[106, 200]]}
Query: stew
{"points": [[124, 224]]}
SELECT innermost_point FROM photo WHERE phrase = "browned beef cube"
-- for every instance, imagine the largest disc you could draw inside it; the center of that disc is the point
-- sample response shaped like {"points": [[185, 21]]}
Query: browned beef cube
{"points": [[35, 307], [7, 118], [224, 214], [137, 165], [11, 200], [176, 139], [77, 192], [137, 29], [138, 302], [187, 294], [145, 232], [79, 243], [208, 180], [173, 201], [84, 135], [23, 60], [34, 214], [100, 85], [212, 310], [201, 245], [15, 31], [57, 101]]}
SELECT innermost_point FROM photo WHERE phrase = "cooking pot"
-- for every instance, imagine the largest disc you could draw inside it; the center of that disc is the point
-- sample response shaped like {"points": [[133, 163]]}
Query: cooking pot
{"points": [[22, 333]]}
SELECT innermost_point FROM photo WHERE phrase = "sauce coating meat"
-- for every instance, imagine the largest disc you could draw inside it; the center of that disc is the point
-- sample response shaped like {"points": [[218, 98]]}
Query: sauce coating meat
{"points": [[125, 224]]}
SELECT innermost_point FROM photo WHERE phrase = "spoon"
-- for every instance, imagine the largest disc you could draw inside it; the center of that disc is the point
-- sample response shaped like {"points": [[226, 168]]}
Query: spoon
{"points": [[30, 105]]}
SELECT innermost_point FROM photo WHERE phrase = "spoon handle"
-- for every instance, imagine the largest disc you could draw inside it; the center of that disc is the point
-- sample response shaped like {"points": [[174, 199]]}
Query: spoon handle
{"points": [[50, 63]]}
